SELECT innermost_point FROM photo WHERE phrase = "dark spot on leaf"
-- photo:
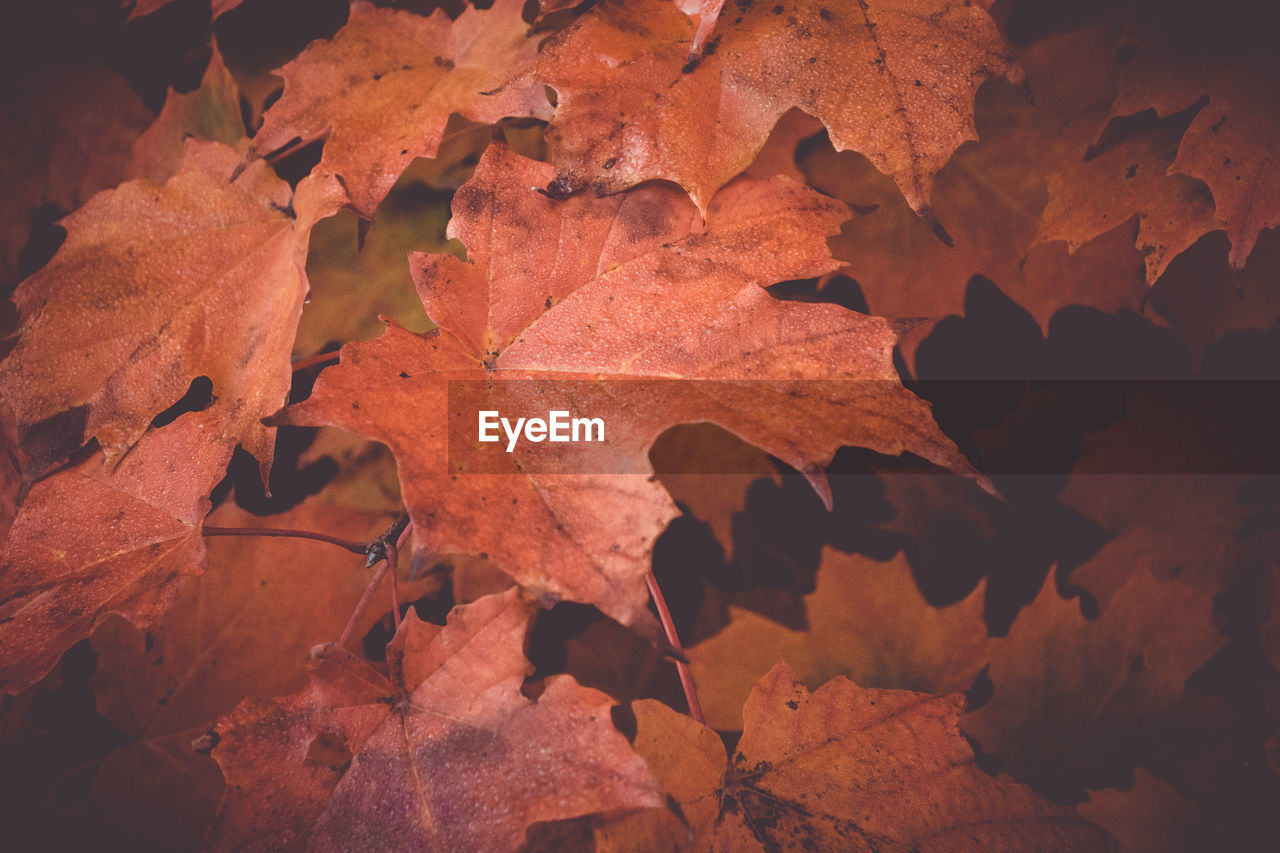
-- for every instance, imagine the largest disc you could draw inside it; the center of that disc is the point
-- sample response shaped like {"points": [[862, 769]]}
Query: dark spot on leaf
{"points": [[1131, 171], [329, 749], [562, 187]]}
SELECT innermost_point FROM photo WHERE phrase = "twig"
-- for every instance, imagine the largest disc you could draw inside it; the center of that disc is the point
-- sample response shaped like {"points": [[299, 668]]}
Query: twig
{"points": [[320, 358], [384, 549], [669, 626], [353, 547]]}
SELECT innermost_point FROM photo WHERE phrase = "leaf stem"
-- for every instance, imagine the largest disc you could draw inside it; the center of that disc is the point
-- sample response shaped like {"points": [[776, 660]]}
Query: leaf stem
{"points": [[353, 547], [669, 626], [384, 549], [320, 358]]}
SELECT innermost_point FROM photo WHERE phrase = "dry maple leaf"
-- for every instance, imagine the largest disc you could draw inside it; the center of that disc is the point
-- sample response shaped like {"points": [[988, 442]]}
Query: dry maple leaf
{"points": [[1149, 817], [629, 287], [154, 287], [210, 112], [1073, 696], [894, 80], [990, 196], [1093, 196], [383, 88], [65, 134], [447, 754], [847, 768], [89, 541], [1174, 527], [867, 621], [243, 628], [1233, 143]]}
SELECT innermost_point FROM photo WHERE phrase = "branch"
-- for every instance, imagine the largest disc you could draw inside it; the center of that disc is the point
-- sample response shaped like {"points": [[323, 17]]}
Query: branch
{"points": [[682, 666]]}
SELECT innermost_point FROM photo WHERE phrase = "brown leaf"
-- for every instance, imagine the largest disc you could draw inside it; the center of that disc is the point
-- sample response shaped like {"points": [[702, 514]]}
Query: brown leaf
{"points": [[1073, 697], [210, 112], [848, 768], [867, 621], [1150, 817], [154, 287], [1233, 143], [631, 108], [89, 541], [586, 289], [689, 760], [446, 755], [65, 134], [989, 197], [1174, 527], [243, 628], [1131, 178], [383, 87]]}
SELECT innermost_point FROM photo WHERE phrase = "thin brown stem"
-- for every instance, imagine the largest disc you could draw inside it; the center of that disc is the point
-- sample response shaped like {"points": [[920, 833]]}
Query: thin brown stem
{"points": [[320, 358], [393, 556], [363, 603], [669, 627], [353, 547], [385, 550], [278, 155]]}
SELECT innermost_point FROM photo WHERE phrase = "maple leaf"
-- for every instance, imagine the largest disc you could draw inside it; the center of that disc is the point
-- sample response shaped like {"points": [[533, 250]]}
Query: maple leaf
{"points": [[1149, 817], [446, 755], [210, 112], [65, 134], [1233, 143], [383, 87], [588, 289], [89, 541], [1187, 528], [243, 628], [867, 620], [1131, 178], [990, 196], [629, 109], [154, 287], [847, 768], [1073, 696]]}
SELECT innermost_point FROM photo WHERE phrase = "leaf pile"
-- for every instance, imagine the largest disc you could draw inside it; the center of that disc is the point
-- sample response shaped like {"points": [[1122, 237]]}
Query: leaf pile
{"points": [[908, 320]]}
